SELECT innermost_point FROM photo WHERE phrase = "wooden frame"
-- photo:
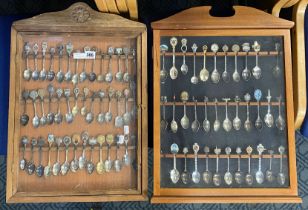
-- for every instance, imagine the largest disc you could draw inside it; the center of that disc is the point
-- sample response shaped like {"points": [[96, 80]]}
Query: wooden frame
{"points": [[96, 24], [245, 22]]}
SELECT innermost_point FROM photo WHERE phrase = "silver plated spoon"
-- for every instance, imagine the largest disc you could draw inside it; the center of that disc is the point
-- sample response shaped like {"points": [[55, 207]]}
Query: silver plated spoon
{"points": [[194, 79], [75, 78], [216, 125], [24, 118], [57, 165], [237, 121], [90, 165], [108, 161], [126, 157], [68, 75], [100, 166], [92, 75], [23, 162], [259, 173], [119, 121], [256, 71], [238, 176], [249, 176], [65, 167], [43, 119], [206, 123], [109, 76], [184, 67], [174, 173], [173, 70], [174, 124], [101, 116], [39, 170], [119, 74], [75, 108], [74, 163], [280, 122], [195, 177], [184, 119], [43, 72], [163, 72], [269, 175], [268, 118], [83, 75], [127, 115], [82, 159], [60, 74], [228, 177], [35, 119], [195, 125], [58, 116], [281, 177], [126, 76], [248, 123], [48, 169], [207, 175], [217, 176], [100, 76], [51, 74], [246, 74], [35, 73], [30, 166], [226, 124], [117, 162], [108, 115], [185, 176], [69, 117], [83, 110], [276, 69], [163, 122], [204, 73], [236, 76], [225, 74], [258, 122], [27, 72], [215, 76], [50, 115], [90, 115]]}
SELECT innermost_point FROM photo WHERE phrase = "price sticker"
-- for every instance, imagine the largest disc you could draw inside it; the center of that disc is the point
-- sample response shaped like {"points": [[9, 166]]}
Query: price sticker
{"points": [[84, 55], [126, 129], [121, 139]]}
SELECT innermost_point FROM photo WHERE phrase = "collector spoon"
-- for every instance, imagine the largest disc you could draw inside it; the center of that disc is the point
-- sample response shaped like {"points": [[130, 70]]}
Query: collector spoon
{"points": [[215, 76], [276, 69], [100, 76], [83, 110], [109, 76], [48, 169], [184, 67], [108, 162], [227, 124], [238, 176], [101, 116], [65, 167], [225, 74], [249, 176], [75, 78], [27, 72], [126, 157], [195, 125], [35, 73], [204, 73], [126, 76], [60, 74], [268, 118], [163, 122], [127, 115], [100, 166], [83, 75], [259, 173], [206, 123], [90, 165], [24, 118], [269, 175], [173, 70], [75, 108], [163, 72], [90, 115], [184, 119], [194, 79], [30, 167], [216, 122], [281, 177], [174, 124], [92, 75], [195, 177], [280, 122], [74, 163], [237, 121], [35, 119], [258, 96], [51, 74], [57, 165], [50, 115], [117, 162], [82, 159], [207, 175], [108, 115], [217, 176], [248, 123], [69, 117], [246, 74], [174, 173], [118, 121], [43, 72], [256, 71], [39, 170], [43, 119], [58, 116], [185, 177], [228, 177], [236, 76], [119, 74], [23, 162], [68, 75]]}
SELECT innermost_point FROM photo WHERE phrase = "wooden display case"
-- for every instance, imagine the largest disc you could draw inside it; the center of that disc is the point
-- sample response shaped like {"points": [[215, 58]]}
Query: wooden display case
{"points": [[226, 40], [120, 45]]}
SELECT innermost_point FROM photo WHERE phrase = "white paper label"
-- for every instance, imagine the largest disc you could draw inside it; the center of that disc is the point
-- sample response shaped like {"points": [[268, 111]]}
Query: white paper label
{"points": [[126, 129], [121, 139], [84, 55]]}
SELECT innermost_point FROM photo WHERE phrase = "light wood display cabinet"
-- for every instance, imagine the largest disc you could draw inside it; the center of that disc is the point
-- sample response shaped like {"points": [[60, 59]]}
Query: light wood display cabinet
{"points": [[223, 109], [77, 129]]}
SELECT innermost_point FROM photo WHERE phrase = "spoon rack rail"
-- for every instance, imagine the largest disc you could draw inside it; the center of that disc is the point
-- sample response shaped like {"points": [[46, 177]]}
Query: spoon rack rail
{"points": [[228, 82], [78, 108]]}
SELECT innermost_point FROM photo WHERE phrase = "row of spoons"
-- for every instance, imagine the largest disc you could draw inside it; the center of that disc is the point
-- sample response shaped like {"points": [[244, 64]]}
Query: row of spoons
{"points": [[122, 75], [215, 75], [81, 163], [228, 177], [227, 123], [56, 117]]}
